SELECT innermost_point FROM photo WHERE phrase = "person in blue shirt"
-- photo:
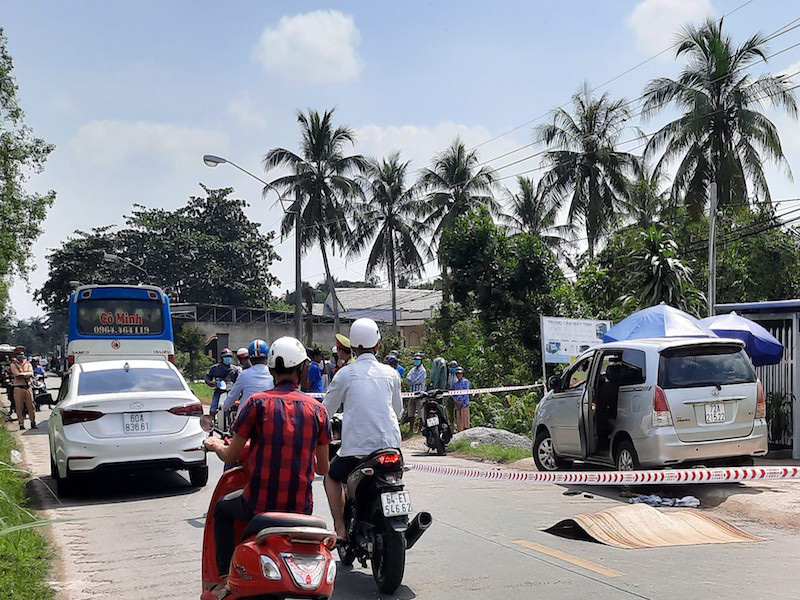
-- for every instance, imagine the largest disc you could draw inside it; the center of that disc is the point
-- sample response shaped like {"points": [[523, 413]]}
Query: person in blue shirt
{"points": [[394, 362], [461, 401], [221, 371], [253, 380], [315, 372]]}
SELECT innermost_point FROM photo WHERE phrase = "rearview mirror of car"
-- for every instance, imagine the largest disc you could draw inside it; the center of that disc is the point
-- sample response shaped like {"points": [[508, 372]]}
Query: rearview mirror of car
{"points": [[554, 383]]}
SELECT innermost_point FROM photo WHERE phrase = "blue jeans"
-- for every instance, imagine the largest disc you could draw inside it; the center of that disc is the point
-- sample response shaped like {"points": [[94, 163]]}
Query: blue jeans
{"points": [[215, 400]]}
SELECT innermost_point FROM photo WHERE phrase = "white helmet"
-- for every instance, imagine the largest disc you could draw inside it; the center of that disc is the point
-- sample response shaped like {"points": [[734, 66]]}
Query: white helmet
{"points": [[290, 352], [364, 333]]}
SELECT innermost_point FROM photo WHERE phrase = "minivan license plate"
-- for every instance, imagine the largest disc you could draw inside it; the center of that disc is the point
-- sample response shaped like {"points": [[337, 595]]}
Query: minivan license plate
{"points": [[715, 413], [396, 504], [136, 422]]}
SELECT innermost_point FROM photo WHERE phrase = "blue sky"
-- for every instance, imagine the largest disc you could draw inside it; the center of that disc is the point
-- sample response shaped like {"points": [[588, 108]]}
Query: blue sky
{"points": [[133, 94]]}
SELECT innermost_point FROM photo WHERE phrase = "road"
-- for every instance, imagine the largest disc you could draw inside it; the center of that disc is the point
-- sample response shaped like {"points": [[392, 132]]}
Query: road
{"points": [[139, 536]]}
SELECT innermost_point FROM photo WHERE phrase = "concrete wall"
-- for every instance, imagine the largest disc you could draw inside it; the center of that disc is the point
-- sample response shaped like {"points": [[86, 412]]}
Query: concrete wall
{"points": [[241, 334]]}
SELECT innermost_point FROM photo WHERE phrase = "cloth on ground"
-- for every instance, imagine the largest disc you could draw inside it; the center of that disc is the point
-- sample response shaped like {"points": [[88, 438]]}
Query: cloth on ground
{"points": [[653, 500]]}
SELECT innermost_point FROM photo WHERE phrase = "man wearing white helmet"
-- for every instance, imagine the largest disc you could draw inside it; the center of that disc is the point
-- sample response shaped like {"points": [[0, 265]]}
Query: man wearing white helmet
{"points": [[370, 393], [289, 433]]}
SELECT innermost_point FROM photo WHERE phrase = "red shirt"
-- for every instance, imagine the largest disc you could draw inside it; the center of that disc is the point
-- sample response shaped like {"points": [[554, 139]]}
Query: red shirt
{"points": [[284, 426]]}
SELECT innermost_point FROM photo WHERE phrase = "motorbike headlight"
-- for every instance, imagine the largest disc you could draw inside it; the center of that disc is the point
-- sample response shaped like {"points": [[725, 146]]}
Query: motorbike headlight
{"points": [[270, 569], [331, 571]]}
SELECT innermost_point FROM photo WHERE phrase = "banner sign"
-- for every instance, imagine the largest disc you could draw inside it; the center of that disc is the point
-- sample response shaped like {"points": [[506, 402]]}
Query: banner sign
{"points": [[563, 339]]}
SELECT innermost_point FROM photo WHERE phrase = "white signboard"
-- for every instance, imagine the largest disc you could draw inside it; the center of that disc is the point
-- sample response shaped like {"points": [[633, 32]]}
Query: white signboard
{"points": [[563, 339]]}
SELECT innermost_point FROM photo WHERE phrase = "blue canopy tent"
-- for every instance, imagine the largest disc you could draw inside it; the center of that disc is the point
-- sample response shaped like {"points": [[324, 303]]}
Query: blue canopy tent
{"points": [[760, 344], [657, 321]]}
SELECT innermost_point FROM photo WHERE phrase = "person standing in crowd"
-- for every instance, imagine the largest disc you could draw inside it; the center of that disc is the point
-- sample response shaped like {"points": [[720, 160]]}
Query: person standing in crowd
{"points": [[416, 378], [243, 356], [21, 372], [315, 384], [451, 374], [461, 401], [394, 362], [343, 353]]}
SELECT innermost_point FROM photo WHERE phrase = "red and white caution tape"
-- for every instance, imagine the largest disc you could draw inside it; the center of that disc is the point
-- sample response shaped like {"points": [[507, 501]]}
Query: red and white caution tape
{"points": [[617, 478], [489, 390]]}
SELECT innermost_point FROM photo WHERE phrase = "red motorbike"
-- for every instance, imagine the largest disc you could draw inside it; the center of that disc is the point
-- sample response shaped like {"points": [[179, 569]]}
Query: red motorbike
{"points": [[280, 555]]}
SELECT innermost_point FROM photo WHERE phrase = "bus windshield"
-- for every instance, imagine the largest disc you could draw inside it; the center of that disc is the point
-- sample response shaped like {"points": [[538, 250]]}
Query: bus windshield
{"points": [[120, 317]]}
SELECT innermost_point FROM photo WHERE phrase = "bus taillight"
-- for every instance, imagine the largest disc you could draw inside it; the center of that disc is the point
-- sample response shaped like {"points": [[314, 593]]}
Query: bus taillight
{"points": [[70, 360], [171, 358]]}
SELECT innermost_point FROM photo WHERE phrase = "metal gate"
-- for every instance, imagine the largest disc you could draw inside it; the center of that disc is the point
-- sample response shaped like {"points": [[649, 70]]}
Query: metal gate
{"points": [[778, 380]]}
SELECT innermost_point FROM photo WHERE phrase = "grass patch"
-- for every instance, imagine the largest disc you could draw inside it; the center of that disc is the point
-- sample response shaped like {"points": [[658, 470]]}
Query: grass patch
{"points": [[202, 391], [493, 452], [24, 554]]}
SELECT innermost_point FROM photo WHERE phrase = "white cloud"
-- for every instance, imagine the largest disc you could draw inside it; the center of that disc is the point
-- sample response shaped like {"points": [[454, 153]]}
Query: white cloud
{"points": [[245, 114], [316, 47], [110, 143], [655, 23]]}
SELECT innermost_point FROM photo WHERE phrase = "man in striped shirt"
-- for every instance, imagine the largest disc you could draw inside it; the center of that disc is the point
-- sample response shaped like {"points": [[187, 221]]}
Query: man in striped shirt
{"points": [[289, 433]]}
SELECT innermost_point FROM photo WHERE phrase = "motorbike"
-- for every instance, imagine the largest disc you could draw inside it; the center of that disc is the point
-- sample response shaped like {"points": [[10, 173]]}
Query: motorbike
{"points": [[435, 425], [280, 555], [40, 394], [376, 513], [336, 435]]}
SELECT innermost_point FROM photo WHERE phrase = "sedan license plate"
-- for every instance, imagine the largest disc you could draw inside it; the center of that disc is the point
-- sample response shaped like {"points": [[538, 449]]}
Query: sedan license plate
{"points": [[136, 422], [396, 504], [433, 421], [715, 413]]}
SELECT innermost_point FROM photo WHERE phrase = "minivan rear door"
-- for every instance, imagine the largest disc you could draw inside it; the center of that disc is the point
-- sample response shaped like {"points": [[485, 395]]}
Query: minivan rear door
{"points": [[710, 389]]}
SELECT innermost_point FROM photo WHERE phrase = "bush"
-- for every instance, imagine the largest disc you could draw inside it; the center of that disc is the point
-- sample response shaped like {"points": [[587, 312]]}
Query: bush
{"points": [[191, 357], [512, 413]]}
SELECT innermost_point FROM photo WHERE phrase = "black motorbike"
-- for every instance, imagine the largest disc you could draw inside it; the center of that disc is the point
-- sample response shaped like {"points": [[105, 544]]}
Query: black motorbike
{"points": [[40, 394], [376, 513], [336, 435], [435, 425]]}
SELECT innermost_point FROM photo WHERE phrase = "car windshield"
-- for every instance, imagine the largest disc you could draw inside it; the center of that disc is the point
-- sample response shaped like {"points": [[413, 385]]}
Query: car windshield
{"points": [[701, 366], [121, 381]]}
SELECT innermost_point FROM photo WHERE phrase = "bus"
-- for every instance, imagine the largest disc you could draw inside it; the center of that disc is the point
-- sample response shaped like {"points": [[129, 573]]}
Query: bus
{"points": [[115, 321]]}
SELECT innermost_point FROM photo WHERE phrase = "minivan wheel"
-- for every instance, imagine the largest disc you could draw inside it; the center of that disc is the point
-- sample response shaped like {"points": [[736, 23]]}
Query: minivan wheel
{"points": [[544, 453], [626, 458]]}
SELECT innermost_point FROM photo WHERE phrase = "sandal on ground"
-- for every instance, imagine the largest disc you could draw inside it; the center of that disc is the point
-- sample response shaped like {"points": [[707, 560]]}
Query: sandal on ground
{"points": [[21, 427]]}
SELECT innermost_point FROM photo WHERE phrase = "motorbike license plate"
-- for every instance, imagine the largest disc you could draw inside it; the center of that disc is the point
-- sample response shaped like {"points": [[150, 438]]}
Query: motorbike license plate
{"points": [[715, 413], [433, 421], [396, 504], [136, 422]]}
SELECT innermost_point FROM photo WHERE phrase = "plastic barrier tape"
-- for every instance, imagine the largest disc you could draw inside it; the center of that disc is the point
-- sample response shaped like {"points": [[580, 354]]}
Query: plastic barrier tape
{"points": [[489, 390], [617, 478]]}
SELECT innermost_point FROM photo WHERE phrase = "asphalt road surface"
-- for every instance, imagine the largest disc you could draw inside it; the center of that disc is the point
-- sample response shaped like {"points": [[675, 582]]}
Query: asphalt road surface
{"points": [[139, 536]]}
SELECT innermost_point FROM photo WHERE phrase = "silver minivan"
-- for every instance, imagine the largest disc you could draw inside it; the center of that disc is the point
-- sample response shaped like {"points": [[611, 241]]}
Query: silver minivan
{"points": [[653, 403]]}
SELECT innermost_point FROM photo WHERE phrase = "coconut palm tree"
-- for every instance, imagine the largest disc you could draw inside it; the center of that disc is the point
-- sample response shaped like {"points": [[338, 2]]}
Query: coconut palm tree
{"points": [[322, 181], [527, 212], [582, 161], [721, 136], [646, 199], [454, 185], [386, 219]]}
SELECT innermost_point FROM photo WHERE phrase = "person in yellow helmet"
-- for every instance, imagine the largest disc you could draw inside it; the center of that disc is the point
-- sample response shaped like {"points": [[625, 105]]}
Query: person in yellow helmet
{"points": [[343, 353]]}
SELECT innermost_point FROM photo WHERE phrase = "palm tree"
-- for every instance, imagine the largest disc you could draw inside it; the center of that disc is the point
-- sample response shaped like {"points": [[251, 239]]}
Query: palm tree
{"points": [[454, 185], [583, 161], [646, 199], [721, 136], [528, 212], [321, 180], [387, 220]]}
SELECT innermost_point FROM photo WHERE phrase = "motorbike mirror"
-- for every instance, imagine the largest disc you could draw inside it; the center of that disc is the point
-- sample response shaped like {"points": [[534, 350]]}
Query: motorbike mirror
{"points": [[206, 423]]}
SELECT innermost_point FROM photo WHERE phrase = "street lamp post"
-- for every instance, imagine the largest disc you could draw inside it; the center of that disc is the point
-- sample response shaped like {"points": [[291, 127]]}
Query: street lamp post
{"points": [[212, 160], [114, 258]]}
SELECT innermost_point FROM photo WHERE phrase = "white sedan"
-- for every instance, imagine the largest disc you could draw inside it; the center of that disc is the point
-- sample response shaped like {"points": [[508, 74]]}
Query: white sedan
{"points": [[125, 415]]}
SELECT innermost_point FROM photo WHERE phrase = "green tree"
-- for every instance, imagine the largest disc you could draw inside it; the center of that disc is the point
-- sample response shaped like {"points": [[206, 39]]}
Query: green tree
{"points": [[454, 185], [646, 199], [386, 222], [321, 179], [206, 251], [583, 163], [721, 136], [191, 354], [21, 155], [528, 212]]}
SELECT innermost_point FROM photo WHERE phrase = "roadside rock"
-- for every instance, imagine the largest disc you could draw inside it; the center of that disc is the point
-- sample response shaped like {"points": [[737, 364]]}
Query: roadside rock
{"points": [[499, 437]]}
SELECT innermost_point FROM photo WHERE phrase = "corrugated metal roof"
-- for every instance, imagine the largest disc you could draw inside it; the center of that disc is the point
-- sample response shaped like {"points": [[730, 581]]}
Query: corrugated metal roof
{"points": [[381, 298], [767, 306]]}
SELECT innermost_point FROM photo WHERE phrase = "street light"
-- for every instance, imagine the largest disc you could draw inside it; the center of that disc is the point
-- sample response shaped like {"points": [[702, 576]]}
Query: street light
{"points": [[114, 258], [211, 160]]}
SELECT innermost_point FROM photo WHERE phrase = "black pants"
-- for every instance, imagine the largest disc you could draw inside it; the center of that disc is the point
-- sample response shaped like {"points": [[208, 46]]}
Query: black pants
{"points": [[230, 509]]}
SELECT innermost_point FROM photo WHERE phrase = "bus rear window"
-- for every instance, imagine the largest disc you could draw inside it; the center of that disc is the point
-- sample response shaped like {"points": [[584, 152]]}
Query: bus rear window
{"points": [[109, 316], [698, 366]]}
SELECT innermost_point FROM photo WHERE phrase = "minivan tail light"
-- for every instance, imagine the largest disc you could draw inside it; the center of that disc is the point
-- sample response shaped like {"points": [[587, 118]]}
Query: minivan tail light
{"points": [[194, 409], [70, 417], [661, 415], [761, 401]]}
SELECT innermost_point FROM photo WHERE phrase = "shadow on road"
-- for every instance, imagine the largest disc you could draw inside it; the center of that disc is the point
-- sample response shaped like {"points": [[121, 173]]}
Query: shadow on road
{"points": [[358, 584]]}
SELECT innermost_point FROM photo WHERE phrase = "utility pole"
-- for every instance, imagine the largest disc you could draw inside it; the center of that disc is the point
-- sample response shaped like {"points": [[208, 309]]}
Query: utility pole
{"points": [[712, 249], [298, 278]]}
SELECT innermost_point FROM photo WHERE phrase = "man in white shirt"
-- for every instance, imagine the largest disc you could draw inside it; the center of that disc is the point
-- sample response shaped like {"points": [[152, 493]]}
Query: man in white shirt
{"points": [[253, 380], [370, 393]]}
